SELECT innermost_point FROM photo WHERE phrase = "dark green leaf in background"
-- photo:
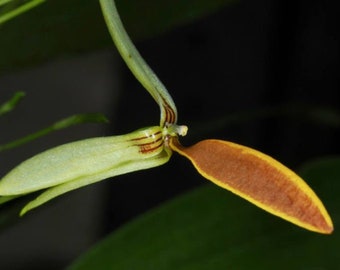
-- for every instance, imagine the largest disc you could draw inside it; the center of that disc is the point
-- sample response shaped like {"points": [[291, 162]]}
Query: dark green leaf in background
{"points": [[10, 105], [63, 27], [210, 228], [61, 124], [14, 8]]}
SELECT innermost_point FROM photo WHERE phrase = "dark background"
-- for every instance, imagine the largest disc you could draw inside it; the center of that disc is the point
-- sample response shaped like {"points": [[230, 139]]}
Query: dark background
{"points": [[269, 68], [260, 73]]}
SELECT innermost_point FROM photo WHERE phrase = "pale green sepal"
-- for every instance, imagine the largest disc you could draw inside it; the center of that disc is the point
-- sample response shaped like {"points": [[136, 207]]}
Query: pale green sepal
{"points": [[81, 159], [136, 63], [123, 168]]}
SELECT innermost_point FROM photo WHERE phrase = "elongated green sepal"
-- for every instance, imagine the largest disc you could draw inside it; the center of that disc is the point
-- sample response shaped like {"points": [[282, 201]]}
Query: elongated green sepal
{"points": [[137, 65], [73, 165]]}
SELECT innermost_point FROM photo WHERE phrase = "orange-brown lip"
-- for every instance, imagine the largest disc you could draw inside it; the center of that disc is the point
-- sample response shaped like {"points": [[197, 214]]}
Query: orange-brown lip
{"points": [[259, 179]]}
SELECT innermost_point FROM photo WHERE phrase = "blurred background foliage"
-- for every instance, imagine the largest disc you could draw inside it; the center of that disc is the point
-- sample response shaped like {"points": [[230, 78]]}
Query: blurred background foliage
{"points": [[58, 28], [208, 229], [260, 73]]}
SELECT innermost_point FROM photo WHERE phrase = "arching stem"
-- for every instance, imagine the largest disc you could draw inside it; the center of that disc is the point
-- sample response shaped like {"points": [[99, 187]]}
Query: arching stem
{"points": [[137, 65]]}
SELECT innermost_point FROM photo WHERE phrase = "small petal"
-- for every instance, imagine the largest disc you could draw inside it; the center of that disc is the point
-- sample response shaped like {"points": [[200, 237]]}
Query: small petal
{"points": [[259, 179]]}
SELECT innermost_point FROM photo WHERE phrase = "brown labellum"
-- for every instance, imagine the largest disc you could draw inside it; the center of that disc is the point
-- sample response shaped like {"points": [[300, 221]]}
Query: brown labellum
{"points": [[259, 179]]}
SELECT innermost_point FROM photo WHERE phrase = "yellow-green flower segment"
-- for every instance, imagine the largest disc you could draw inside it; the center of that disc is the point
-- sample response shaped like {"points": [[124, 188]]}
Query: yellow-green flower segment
{"points": [[73, 165]]}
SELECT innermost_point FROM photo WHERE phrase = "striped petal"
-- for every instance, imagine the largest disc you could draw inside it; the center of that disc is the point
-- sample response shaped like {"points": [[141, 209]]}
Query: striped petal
{"points": [[259, 179]]}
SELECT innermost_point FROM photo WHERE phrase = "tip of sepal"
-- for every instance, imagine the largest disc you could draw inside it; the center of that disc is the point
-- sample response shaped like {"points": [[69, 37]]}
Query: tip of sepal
{"points": [[23, 212], [29, 206], [328, 229], [259, 179]]}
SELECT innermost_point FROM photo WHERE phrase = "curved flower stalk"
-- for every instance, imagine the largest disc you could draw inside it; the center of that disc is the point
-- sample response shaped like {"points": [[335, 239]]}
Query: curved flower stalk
{"points": [[246, 172], [137, 65]]}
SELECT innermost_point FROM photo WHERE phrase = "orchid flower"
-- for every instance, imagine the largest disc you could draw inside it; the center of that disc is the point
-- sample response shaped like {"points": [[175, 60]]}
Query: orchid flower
{"points": [[246, 172]]}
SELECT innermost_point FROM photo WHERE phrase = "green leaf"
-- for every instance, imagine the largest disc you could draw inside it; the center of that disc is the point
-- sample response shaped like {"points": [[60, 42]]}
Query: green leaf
{"points": [[12, 13], [209, 228], [64, 27], [11, 104], [61, 124]]}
